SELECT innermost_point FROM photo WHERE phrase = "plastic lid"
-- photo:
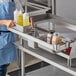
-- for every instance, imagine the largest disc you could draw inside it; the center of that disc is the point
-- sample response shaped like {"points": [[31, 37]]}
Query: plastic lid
{"points": [[55, 34], [49, 35], [26, 14], [20, 11], [16, 9]]}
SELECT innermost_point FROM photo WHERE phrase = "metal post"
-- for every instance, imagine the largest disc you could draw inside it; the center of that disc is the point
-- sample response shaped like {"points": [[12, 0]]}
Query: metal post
{"points": [[22, 60], [25, 5], [49, 3], [53, 7], [22, 53], [54, 11]]}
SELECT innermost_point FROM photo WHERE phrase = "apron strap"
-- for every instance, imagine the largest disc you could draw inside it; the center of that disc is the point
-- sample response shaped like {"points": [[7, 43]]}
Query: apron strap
{"points": [[4, 31], [12, 0]]}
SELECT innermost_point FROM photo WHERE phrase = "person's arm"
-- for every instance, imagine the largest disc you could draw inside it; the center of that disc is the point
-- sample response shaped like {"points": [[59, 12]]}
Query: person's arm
{"points": [[8, 23]]}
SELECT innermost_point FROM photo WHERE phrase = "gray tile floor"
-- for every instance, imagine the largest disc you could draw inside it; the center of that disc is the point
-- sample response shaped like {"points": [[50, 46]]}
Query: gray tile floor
{"points": [[48, 71]]}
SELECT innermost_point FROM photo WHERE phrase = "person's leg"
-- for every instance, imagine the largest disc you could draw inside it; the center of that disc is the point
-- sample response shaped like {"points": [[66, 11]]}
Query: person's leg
{"points": [[3, 69]]}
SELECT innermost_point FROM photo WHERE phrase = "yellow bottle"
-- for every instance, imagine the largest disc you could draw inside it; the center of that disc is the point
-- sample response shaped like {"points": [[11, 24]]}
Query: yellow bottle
{"points": [[20, 18], [26, 19]]}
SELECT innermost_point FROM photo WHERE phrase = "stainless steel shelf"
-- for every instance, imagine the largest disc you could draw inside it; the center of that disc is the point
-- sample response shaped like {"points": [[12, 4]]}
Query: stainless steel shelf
{"points": [[52, 59], [44, 55]]}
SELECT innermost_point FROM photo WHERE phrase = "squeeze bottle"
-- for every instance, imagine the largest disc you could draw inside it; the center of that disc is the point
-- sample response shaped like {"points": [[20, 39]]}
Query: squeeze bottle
{"points": [[20, 18], [49, 38], [55, 35], [16, 15], [57, 39], [26, 19]]}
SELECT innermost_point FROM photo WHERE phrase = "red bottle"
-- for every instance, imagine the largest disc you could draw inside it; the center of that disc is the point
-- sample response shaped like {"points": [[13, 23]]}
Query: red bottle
{"points": [[68, 50]]}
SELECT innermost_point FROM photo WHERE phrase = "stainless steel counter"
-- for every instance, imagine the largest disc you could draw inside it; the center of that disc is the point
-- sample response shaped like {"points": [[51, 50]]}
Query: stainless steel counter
{"points": [[44, 55]]}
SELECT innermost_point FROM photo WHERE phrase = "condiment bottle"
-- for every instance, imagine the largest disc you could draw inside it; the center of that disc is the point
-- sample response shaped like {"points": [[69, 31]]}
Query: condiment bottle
{"points": [[49, 38], [16, 15], [20, 18], [26, 19]]}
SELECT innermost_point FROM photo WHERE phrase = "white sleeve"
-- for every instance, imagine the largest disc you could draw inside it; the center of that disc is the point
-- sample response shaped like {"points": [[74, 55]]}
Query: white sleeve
{"points": [[18, 5]]}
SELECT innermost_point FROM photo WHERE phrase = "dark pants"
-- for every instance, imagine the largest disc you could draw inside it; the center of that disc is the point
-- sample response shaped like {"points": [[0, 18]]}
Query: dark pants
{"points": [[3, 70]]}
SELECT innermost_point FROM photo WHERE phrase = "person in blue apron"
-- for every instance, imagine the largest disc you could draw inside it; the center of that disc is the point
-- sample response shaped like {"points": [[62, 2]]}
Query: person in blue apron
{"points": [[8, 52]]}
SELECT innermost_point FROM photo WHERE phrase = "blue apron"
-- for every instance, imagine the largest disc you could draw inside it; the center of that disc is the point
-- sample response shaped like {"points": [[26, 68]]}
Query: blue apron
{"points": [[7, 48]]}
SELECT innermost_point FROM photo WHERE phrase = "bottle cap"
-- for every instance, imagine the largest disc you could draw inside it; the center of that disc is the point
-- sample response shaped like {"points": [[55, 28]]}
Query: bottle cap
{"points": [[20, 11], [26, 14]]}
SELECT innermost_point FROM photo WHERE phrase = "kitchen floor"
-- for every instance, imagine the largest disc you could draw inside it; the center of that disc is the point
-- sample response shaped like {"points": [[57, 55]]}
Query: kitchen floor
{"points": [[48, 71], [29, 60], [45, 71]]}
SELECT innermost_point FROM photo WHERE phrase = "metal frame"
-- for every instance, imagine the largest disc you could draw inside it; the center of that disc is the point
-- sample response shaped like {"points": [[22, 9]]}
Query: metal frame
{"points": [[41, 10], [25, 36], [28, 37], [70, 26], [49, 3], [22, 60], [66, 69], [53, 7]]}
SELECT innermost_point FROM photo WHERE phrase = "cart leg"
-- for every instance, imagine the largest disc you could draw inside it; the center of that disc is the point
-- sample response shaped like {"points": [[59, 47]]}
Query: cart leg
{"points": [[22, 64], [22, 60], [19, 58], [49, 3], [69, 62]]}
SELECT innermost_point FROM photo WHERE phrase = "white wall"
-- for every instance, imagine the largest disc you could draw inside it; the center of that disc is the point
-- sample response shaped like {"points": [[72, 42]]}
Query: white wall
{"points": [[66, 8]]}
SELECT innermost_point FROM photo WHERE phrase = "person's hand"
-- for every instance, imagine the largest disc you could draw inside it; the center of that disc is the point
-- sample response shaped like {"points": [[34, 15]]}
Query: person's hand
{"points": [[10, 23]]}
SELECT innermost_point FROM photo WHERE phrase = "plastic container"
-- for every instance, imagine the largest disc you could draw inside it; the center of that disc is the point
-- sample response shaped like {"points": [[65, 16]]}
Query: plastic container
{"points": [[26, 19], [49, 38], [55, 35], [16, 15], [20, 18], [68, 50], [57, 40]]}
